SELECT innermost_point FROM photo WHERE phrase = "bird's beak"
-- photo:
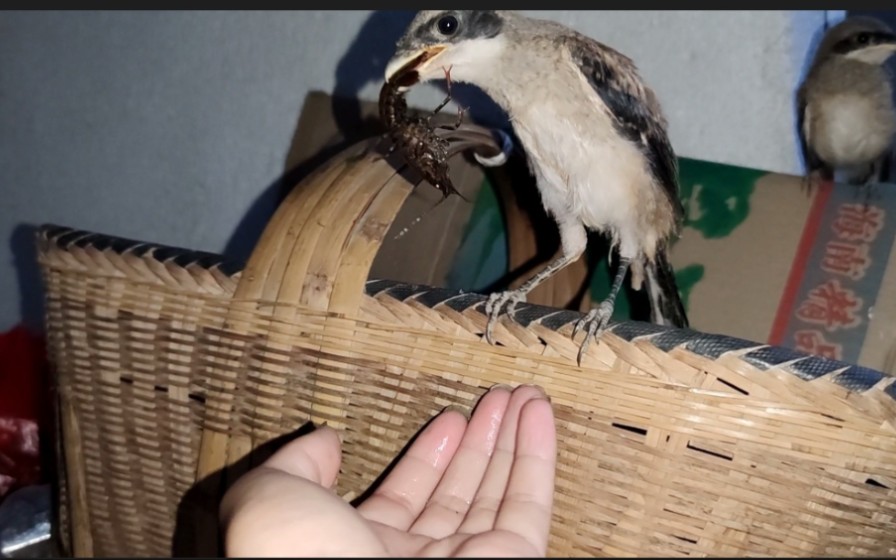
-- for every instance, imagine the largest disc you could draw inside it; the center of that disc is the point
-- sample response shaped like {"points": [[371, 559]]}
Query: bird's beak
{"points": [[883, 47], [407, 68], [886, 41]]}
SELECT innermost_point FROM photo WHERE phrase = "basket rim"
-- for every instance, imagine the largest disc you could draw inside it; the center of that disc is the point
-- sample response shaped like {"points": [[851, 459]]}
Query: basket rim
{"points": [[804, 366]]}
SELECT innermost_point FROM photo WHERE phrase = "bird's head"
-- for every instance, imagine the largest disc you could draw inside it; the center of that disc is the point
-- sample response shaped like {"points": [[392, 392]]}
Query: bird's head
{"points": [[464, 41], [860, 38]]}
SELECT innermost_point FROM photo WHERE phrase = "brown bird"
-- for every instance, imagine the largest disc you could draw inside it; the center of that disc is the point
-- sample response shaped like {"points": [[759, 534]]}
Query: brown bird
{"points": [[845, 107], [594, 134]]}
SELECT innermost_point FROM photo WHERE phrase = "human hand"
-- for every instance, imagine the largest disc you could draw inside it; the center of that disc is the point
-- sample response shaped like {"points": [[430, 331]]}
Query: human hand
{"points": [[478, 488]]}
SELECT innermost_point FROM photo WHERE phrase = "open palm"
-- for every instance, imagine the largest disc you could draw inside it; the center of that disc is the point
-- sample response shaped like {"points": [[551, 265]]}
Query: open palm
{"points": [[477, 488]]}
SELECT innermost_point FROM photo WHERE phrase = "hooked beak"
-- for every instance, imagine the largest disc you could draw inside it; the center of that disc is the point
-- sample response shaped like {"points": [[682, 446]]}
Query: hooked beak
{"points": [[406, 69], [887, 41], [879, 51]]}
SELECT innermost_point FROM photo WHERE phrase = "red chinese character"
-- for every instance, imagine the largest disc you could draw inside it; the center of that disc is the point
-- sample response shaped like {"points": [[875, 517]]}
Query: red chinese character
{"points": [[832, 306], [858, 222], [848, 259], [813, 342]]}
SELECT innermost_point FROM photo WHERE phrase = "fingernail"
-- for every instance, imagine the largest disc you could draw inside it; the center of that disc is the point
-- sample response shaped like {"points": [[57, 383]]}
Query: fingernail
{"points": [[540, 389], [456, 408], [501, 386]]}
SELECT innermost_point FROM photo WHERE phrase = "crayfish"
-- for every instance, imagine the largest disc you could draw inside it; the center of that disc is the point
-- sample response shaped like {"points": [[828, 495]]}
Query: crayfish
{"points": [[414, 136]]}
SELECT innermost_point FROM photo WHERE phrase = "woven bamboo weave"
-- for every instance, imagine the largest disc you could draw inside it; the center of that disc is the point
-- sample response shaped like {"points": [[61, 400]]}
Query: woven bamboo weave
{"points": [[173, 365]]}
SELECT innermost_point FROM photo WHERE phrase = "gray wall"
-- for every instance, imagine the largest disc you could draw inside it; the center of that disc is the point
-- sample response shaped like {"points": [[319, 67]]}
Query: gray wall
{"points": [[173, 127]]}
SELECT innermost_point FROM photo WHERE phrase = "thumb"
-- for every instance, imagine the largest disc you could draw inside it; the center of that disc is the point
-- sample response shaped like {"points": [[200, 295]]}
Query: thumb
{"points": [[283, 509], [315, 456]]}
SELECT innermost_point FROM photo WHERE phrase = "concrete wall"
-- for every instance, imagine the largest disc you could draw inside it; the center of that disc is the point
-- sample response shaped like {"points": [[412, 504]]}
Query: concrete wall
{"points": [[174, 127]]}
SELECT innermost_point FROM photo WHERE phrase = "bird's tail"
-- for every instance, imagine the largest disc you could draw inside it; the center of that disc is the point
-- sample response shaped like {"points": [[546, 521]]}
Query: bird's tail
{"points": [[666, 307]]}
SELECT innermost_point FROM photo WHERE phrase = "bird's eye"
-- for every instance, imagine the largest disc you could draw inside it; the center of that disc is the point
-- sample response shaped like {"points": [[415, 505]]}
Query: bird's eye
{"points": [[863, 38], [447, 25]]}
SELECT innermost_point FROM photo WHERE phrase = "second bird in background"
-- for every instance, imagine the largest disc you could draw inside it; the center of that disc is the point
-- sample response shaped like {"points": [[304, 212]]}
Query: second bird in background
{"points": [[845, 114]]}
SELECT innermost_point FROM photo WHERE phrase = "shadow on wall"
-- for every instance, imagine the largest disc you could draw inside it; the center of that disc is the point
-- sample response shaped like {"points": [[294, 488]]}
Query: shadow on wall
{"points": [[31, 294], [363, 62], [804, 70]]}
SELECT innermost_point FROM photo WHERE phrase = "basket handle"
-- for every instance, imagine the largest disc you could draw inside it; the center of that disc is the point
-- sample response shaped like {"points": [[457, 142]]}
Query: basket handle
{"points": [[316, 252], [319, 246]]}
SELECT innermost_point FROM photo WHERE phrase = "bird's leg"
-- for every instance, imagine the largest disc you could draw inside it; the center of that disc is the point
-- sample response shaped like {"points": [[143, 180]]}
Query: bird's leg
{"points": [[880, 170], [815, 177], [865, 183], [573, 238], [496, 302], [864, 177], [596, 320]]}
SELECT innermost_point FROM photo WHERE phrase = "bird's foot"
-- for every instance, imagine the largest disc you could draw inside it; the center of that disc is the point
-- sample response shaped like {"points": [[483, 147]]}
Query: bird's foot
{"points": [[593, 324], [500, 302], [868, 192]]}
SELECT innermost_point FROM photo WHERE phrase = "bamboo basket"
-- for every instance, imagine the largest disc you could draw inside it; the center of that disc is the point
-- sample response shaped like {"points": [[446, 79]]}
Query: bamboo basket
{"points": [[177, 371]]}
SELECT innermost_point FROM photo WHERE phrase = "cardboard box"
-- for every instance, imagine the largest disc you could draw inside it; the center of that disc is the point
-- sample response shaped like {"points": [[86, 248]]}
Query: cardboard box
{"points": [[811, 270]]}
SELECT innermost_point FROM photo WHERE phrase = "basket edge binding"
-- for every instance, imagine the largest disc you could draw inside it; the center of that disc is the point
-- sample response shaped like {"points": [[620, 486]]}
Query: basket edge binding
{"points": [[807, 367]]}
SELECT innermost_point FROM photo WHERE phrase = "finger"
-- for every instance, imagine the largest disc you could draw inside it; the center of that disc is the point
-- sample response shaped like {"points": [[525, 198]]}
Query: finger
{"points": [[452, 497], [527, 503], [315, 456], [403, 494], [487, 500]]}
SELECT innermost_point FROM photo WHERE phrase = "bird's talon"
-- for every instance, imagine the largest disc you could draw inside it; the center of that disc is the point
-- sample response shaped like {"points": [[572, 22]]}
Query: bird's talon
{"points": [[498, 304], [582, 348], [593, 323]]}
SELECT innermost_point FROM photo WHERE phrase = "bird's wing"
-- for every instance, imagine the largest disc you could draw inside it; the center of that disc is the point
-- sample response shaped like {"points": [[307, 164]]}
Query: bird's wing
{"points": [[810, 158], [634, 107]]}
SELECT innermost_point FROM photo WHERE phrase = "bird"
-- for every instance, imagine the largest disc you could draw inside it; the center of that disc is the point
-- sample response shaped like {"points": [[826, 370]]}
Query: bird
{"points": [[845, 116], [594, 135]]}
